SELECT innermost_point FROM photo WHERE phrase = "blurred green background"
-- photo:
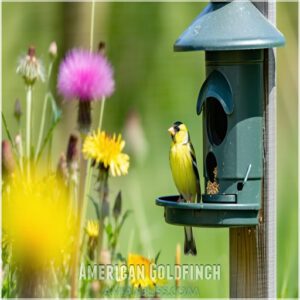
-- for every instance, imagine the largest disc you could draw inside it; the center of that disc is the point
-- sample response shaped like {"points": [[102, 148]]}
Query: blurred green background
{"points": [[154, 87]]}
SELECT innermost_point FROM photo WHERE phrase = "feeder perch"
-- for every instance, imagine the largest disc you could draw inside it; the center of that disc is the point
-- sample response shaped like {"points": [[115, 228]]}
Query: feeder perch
{"points": [[234, 37]]}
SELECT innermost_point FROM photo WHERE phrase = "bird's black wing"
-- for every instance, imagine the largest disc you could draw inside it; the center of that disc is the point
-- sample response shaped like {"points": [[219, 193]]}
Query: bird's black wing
{"points": [[195, 168]]}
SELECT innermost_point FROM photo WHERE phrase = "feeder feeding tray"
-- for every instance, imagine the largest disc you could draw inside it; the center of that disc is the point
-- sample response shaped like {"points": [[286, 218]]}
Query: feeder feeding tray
{"points": [[208, 214]]}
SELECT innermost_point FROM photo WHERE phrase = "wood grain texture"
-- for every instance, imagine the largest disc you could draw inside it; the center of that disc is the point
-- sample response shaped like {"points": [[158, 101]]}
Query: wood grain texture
{"points": [[253, 251], [243, 263]]}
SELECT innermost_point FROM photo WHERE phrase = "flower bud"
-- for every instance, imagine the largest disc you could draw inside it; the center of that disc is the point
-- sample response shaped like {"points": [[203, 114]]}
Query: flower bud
{"points": [[53, 50], [30, 68], [101, 47], [92, 230], [72, 150], [8, 161], [17, 110], [117, 206], [31, 52]]}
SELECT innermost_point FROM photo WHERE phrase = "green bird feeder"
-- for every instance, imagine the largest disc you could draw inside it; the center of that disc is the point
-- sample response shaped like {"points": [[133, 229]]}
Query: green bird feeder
{"points": [[234, 36]]}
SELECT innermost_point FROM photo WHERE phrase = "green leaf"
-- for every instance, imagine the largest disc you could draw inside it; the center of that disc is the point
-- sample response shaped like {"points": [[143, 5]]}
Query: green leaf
{"points": [[157, 256], [124, 217], [96, 205], [48, 136], [120, 257], [7, 131], [56, 111], [109, 230], [117, 206]]}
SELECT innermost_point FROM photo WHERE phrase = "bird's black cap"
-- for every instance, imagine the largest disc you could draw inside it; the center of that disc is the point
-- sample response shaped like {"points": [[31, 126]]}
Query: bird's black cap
{"points": [[177, 123]]}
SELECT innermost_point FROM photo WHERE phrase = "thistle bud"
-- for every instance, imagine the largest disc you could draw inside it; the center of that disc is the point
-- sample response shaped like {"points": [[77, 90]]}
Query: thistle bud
{"points": [[72, 150], [117, 206], [101, 47], [8, 161], [53, 50], [30, 68], [17, 110]]}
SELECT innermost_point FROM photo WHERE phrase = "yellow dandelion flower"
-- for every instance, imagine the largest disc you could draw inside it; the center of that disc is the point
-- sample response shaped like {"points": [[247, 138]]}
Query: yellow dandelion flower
{"points": [[37, 219], [92, 228], [142, 272], [107, 151]]}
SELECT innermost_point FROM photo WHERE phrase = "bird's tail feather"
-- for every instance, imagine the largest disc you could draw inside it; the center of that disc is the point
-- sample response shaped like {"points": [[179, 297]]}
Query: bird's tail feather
{"points": [[198, 197], [189, 242]]}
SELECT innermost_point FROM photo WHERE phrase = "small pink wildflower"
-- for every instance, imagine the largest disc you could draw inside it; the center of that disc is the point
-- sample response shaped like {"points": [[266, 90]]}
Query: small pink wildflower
{"points": [[85, 76]]}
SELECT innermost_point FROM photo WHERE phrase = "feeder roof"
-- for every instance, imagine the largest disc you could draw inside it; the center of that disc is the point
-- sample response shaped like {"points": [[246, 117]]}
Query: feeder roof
{"points": [[229, 26]]}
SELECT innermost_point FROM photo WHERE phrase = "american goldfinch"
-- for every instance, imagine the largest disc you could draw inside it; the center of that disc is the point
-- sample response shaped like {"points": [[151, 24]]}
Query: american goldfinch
{"points": [[185, 174]]}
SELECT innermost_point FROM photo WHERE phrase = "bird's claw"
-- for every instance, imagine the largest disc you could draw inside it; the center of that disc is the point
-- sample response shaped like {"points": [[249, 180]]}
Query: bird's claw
{"points": [[180, 199]]}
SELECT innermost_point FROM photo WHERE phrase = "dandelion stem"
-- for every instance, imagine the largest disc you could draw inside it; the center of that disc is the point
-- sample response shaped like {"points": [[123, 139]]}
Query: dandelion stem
{"points": [[28, 125], [80, 222], [85, 193], [101, 113], [92, 25]]}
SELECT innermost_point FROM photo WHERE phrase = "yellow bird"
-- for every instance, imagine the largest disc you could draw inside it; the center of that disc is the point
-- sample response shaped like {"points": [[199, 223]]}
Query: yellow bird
{"points": [[185, 174]]}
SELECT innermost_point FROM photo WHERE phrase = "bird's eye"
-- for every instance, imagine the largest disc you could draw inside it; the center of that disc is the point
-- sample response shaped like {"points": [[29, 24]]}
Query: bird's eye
{"points": [[176, 128]]}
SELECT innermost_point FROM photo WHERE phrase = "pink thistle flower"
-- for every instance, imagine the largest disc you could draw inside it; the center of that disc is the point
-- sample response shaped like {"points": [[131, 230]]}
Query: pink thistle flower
{"points": [[85, 76]]}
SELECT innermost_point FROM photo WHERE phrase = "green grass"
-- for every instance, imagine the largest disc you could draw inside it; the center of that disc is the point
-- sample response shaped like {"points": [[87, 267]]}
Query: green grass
{"points": [[161, 86]]}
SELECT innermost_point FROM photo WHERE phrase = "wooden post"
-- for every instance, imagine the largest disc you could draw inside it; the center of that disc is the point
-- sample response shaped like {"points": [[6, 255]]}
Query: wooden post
{"points": [[253, 249]]}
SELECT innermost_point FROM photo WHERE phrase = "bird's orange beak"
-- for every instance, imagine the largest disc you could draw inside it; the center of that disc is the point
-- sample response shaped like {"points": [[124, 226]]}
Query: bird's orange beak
{"points": [[171, 131]]}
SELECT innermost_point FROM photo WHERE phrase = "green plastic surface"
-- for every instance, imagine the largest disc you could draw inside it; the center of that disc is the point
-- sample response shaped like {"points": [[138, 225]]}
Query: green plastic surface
{"points": [[207, 214], [243, 142], [235, 25], [216, 86]]}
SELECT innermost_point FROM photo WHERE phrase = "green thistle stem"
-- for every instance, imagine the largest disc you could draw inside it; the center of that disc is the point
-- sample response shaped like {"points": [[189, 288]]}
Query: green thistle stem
{"points": [[92, 25], [44, 112], [87, 183], [42, 125], [28, 125], [101, 113]]}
